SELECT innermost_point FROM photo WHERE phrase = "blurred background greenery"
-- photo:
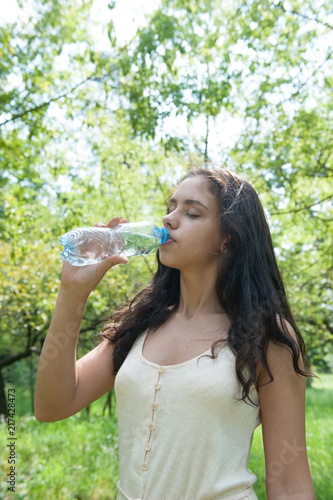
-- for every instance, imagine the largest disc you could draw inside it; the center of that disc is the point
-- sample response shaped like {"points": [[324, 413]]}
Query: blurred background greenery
{"points": [[94, 123]]}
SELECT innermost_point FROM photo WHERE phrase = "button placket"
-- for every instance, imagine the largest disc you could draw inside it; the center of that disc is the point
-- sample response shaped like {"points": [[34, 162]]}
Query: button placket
{"points": [[152, 425]]}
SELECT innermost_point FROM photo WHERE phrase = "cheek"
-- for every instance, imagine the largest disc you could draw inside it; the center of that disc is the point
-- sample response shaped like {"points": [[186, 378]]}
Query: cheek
{"points": [[202, 245], [209, 238]]}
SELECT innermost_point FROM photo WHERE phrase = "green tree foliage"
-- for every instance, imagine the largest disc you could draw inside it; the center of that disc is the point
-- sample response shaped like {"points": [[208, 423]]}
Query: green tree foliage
{"points": [[66, 160], [87, 133], [30, 82], [268, 64]]}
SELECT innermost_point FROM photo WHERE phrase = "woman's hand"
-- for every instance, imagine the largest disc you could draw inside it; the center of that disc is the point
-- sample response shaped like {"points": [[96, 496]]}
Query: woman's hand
{"points": [[83, 280]]}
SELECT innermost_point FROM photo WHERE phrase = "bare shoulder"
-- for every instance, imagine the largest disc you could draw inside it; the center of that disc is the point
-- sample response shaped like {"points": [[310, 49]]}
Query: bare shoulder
{"points": [[286, 381], [279, 357]]}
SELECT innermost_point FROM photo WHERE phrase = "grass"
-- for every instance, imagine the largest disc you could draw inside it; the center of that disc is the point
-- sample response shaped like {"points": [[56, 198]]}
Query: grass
{"points": [[71, 459], [76, 459]]}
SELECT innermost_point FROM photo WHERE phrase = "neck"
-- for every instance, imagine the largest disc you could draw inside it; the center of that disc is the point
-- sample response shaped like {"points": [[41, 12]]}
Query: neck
{"points": [[198, 295]]}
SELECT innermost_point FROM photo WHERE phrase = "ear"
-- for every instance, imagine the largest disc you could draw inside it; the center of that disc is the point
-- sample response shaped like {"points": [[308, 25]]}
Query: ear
{"points": [[225, 244]]}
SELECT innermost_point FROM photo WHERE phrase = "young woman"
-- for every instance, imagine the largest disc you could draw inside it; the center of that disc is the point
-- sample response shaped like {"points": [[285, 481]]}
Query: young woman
{"points": [[202, 355]]}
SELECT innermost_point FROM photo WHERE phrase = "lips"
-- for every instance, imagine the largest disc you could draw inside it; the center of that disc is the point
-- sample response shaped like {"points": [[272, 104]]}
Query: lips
{"points": [[170, 240]]}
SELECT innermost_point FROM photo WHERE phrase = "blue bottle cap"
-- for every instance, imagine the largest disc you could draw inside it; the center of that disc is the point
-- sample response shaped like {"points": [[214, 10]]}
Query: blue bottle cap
{"points": [[162, 234]]}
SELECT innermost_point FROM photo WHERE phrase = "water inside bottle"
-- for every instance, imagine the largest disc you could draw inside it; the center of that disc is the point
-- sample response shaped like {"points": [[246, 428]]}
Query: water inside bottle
{"points": [[139, 244], [83, 248], [86, 246]]}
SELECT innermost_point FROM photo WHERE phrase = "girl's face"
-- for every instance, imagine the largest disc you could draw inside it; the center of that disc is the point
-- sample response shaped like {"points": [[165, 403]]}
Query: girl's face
{"points": [[193, 222]]}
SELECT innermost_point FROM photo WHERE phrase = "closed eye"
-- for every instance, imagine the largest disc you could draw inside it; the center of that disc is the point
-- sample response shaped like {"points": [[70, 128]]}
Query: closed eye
{"points": [[169, 211]]}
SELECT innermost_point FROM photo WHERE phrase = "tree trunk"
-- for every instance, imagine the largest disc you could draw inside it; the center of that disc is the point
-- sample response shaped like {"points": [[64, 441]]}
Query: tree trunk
{"points": [[32, 388], [3, 400]]}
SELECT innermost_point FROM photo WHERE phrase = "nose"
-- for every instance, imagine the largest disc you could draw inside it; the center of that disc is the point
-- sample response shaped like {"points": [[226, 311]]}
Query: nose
{"points": [[170, 221]]}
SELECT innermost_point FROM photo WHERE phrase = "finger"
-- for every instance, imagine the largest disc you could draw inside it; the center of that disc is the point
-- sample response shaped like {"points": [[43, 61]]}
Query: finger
{"points": [[113, 261], [121, 259], [113, 222]]}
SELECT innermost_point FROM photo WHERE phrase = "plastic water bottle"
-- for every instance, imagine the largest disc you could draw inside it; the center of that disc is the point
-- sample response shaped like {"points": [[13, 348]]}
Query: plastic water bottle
{"points": [[89, 245]]}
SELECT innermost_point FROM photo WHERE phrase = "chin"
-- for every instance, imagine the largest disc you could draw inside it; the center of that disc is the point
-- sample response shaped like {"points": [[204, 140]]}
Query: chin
{"points": [[169, 261]]}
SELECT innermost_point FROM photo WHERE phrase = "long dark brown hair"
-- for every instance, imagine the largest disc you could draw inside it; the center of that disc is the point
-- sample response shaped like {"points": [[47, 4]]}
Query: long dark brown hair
{"points": [[249, 288]]}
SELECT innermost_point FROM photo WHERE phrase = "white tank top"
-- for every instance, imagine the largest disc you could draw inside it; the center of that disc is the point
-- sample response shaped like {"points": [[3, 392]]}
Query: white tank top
{"points": [[183, 432]]}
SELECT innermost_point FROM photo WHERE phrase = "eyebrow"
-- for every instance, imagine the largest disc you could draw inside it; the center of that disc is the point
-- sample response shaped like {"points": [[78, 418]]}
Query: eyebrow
{"points": [[189, 202]]}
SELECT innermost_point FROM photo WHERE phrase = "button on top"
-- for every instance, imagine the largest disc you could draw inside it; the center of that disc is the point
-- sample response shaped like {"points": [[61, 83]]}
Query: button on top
{"points": [[161, 369]]}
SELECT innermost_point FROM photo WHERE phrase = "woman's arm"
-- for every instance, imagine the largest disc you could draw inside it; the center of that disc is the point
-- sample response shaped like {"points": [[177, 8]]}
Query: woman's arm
{"points": [[282, 405], [64, 386]]}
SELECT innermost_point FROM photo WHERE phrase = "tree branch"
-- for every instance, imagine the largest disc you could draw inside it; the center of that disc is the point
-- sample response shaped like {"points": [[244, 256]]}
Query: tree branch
{"points": [[44, 104], [91, 327], [295, 13], [295, 210], [12, 359]]}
